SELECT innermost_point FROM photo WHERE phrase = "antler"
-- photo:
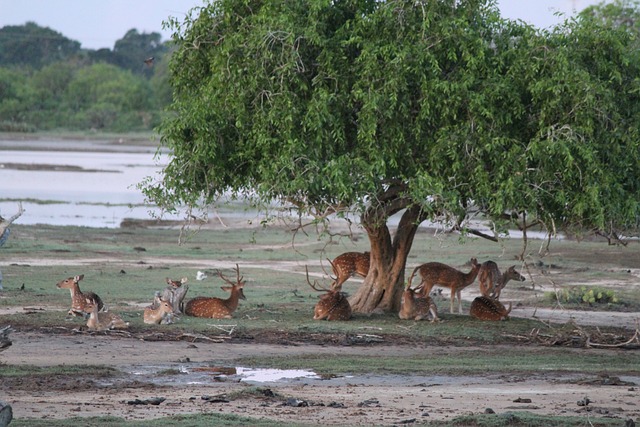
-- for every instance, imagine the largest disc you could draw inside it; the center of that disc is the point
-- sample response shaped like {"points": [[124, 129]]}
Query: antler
{"points": [[315, 284], [238, 277]]}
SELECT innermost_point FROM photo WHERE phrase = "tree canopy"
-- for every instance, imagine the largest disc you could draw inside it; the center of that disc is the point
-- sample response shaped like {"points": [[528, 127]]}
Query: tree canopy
{"points": [[440, 110]]}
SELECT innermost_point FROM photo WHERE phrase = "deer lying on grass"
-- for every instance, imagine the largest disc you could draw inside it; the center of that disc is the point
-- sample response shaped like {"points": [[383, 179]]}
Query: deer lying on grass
{"points": [[161, 311], [414, 306], [104, 320], [333, 305], [349, 264], [436, 273], [79, 301], [485, 308], [217, 308], [492, 282]]}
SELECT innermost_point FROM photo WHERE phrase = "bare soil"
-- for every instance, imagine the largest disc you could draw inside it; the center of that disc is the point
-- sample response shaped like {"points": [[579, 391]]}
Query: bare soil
{"points": [[359, 400]]}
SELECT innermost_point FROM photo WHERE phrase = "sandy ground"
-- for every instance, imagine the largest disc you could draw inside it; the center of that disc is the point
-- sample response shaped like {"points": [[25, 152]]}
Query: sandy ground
{"points": [[363, 400]]}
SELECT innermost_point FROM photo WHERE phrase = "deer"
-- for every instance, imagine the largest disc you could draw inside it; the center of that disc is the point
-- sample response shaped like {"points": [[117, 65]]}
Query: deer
{"points": [[333, 305], [436, 273], [161, 311], [486, 308], [217, 308], [492, 282], [104, 320], [414, 306], [175, 292], [79, 301], [349, 264]]}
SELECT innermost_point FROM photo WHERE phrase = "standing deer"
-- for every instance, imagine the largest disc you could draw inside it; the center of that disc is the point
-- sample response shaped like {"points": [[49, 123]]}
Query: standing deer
{"points": [[104, 320], [414, 306], [349, 264], [79, 301], [217, 308], [436, 273], [485, 308], [161, 311], [492, 282], [333, 305]]}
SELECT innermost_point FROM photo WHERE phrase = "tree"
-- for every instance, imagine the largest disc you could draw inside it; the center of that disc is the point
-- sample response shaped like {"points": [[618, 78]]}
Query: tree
{"points": [[437, 110], [34, 46]]}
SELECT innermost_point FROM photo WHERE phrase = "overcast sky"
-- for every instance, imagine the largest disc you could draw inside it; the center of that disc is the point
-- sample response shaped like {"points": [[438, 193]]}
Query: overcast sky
{"points": [[99, 23]]}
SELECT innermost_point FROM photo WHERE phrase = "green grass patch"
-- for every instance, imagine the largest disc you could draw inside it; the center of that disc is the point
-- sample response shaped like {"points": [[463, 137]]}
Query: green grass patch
{"points": [[8, 371]]}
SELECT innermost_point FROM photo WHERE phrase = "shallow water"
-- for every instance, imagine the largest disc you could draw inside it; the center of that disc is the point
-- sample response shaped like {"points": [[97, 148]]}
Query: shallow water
{"points": [[101, 193]]}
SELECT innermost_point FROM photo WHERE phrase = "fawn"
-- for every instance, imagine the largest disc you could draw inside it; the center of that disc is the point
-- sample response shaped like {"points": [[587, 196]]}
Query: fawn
{"points": [[79, 301], [217, 308], [104, 320], [161, 311], [485, 308], [417, 307], [349, 264], [333, 305], [436, 273], [492, 282]]}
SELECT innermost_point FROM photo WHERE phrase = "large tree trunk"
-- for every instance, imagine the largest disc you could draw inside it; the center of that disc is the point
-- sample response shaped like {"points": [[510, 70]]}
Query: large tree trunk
{"points": [[383, 286]]}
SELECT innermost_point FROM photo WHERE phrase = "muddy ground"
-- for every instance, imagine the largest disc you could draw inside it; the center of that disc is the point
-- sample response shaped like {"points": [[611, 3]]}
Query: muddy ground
{"points": [[351, 400]]}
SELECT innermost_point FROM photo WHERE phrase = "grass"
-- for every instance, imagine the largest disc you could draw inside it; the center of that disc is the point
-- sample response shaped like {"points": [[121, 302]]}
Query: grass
{"points": [[123, 272]]}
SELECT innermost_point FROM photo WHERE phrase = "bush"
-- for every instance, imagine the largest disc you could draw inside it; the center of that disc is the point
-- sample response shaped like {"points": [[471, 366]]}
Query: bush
{"points": [[582, 295]]}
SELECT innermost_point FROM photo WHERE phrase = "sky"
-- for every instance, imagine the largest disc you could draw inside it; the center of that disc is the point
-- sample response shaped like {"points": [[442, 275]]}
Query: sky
{"points": [[99, 23]]}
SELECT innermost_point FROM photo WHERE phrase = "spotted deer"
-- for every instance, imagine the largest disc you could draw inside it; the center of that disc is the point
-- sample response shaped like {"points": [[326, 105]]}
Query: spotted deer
{"points": [[485, 308], [438, 274], [161, 311], [492, 282], [175, 292], [217, 308], [349, 264], [103, 320], [333, 305], [79, 301], [414, 306]]}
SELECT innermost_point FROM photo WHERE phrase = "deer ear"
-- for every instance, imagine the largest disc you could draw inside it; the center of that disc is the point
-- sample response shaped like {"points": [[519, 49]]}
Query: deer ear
{"points": [[184, 280], [78, 278], [226, 288], [168, 281]]}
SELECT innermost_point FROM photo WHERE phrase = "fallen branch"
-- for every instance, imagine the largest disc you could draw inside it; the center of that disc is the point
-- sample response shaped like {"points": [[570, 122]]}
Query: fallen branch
{"points": [[195, 337], [626, 344]]}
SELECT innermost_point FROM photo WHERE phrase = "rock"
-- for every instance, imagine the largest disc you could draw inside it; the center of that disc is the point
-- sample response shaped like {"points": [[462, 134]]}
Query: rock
{"points": [[6, 414]]}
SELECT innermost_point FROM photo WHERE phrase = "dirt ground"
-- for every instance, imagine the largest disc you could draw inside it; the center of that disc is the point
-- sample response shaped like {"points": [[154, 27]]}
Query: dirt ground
{"points": [[358, 400]]}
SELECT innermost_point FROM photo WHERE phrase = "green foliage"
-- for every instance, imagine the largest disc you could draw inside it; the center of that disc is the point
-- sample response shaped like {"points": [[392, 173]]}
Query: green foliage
{"points": [[73, 89], [583, 294], [328, 104], [34, 46]]}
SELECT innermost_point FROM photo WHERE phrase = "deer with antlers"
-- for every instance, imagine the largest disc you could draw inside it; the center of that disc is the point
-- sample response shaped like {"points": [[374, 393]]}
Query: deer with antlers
{"points": [[436, 273], [217, 308], [333, 305], [349, 264]]}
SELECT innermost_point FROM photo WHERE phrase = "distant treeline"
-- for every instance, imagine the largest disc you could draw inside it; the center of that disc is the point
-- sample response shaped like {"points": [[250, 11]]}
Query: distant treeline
{"points": [[48, 82]]}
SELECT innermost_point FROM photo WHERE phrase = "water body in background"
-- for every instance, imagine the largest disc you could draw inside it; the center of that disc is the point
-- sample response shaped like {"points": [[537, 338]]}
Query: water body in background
{"points": [[81, 183]]}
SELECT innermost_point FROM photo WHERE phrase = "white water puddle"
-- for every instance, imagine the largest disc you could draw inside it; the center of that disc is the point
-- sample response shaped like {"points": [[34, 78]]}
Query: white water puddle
{"points": [[199, 375]]}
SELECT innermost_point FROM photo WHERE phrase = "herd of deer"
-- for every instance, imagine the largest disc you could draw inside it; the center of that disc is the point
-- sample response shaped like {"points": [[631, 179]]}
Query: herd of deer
{"points": [[165, 306], [416, 303]]}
